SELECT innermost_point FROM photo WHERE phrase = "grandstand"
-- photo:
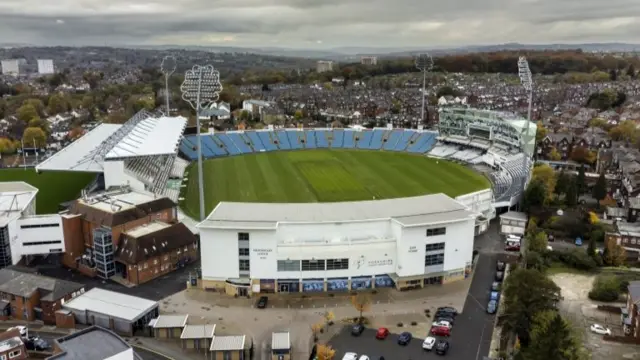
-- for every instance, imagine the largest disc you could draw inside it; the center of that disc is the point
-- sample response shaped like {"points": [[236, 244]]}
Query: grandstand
{"points": [[141, 153]]}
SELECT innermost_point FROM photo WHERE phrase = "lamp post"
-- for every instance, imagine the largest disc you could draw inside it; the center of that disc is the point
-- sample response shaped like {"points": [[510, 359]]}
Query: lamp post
{"points": [[424, 63], [201, 86], [167, 67]]}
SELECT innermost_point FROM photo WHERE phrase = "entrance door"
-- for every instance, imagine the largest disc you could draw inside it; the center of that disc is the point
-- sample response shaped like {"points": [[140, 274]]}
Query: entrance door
{"points": [[284, 288], [243, 291]]}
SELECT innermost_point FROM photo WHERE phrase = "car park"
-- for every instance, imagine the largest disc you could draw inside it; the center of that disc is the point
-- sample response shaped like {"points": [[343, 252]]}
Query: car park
{"points": [[442, 323], [499, 276], [382, 333], [350, 356], [440, 331], [599, 329], [357, 329], [428, 343], [262, 302], [492, 307], [442, 346], [404, 338]]}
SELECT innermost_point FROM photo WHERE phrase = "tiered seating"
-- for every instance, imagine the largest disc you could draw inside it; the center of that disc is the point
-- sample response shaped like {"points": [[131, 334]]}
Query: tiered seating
{"points": [[321, 137], [179, 167], [283, 139], [364, 139], [267, 137], [502, 182], [404, 140], [240, 142], [257, 142], [310, 139], [294, 140], [188, 148], [211, 147], [376, 139], [338, 138], [349, 139], [392, 140], [153, 171], [228, 143]]}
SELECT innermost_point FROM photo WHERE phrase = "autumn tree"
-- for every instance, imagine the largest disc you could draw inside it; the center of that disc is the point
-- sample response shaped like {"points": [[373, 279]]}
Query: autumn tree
{"points": [[614, 254], [34, 135], [361, 302], [37, 104], [316, 329], [7, 146], [298, 115], [554, 155], [57, 104], [325, 352], [26, 112], [625, 131], [329, 316], [582, 155], [541, 132], [545, 174], [600, 188]]}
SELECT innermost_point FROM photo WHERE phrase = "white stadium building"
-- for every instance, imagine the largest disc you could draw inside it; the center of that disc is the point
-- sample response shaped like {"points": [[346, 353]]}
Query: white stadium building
{"points": [[403, 243]]}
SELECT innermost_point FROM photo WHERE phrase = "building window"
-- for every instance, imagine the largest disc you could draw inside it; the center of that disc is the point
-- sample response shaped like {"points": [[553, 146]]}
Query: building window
{"points": [[337, 264], [32, 243], [436, 259], [15, 354], [226, 355], [37, 226], [436, 231], [288, 265], [155, 261], [243, 236], [434, 247], [243, 252], [244, 265], [312, 265]]}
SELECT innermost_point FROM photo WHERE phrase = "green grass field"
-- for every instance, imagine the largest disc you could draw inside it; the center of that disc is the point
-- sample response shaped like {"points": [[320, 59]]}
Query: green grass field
{"points": [[325, 176], [55, 187]]}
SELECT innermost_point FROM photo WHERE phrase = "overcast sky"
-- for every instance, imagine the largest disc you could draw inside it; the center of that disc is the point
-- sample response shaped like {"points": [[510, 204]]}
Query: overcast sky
{"points": [[317, 24]]}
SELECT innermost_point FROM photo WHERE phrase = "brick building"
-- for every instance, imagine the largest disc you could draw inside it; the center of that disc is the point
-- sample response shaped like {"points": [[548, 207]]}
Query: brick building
{"points": [[11, 346], [32, 297]]}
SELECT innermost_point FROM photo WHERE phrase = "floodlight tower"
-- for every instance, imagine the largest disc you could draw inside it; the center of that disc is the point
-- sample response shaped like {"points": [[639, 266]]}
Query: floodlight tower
{"points": [[527, 82], [168, 67], [424, 63], [201, 86]]}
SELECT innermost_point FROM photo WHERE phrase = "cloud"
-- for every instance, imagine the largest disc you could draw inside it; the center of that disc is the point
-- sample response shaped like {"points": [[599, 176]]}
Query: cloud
{"points": [[299, 23]]}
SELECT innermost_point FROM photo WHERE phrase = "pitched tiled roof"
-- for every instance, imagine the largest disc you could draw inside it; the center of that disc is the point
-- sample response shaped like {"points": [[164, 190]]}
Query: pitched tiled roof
{"points": [[133, 250]]}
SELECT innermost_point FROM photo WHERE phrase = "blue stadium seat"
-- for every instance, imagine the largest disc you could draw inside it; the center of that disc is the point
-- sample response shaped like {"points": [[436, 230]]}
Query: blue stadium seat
{"points": [[240, 142], [283, 139], [376, 140], [349, 139], [310, 139], [338, 138], [321, 139], [208, 144], [419, 143], [404, 140], [187, 149], [228, 143], [265, 137], [392, 140], [294, 140], [256, 141], [431, 141], [364, 139]]}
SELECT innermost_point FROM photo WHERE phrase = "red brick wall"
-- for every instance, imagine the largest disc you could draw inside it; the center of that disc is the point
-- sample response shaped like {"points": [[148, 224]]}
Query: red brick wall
{"points": [[159, 265]]}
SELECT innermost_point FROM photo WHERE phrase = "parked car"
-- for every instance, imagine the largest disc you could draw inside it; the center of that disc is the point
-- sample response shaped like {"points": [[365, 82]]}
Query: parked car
{"points": [[442, 346], [404, 338], [24, 331], [599, 329], [494, 295], [350, 356], [448, 310], [492, 307], [446, 318], [262, 302], [500, 266], [428, 343], [499, 276], [382, 333], [357, 329], [363, 357], [36, 343], [442, 323], [495, 286], [440, 331]]}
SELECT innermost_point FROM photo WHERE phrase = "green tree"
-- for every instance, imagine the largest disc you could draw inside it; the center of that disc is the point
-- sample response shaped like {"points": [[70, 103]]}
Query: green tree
{"points": [[581, 182], [526, 293], [571, 196], [57, 104], [87, 102], [535, 195], [26, 112], [547, 175], [34, 135], [538, 242], [562, 183], [552, 338], [541, 132], [600, 188], [298, 115]]}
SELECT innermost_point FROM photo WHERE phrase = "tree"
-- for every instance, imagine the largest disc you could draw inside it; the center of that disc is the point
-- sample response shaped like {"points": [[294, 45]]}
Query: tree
{"points": [[361, 302], [325, 352], [562, 183], [571, 196], [582, 155], [625, 131], [581, 182], [535, 195], [75, 133], [538, 242], [541, 132], [298, 115], [631, 71], [57, 104], [7, 146], [547, 175], [316, 329], [551, 339], [87, 102], [34, 135], [527, 292], [600, 188], [37, 104], [26, 112], [554, 154], [614, 254]]}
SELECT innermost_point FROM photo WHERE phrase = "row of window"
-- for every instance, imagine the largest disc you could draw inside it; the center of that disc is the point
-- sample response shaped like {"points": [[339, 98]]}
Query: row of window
{"points": [[434, 247], [12, 355], [313, 265], [244, 265], [243, 236], [243, 252], [435, 259], [437, 231], [36, 226], [32, 243]]}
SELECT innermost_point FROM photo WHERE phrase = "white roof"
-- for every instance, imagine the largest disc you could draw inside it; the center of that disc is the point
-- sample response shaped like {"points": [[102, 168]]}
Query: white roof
{"points": [[226, 343], [411, 211], [198, 331], [70, 158], [170, 321], [15, 196], [280, 341], [147, 229], [112, 303], [150, 137], [117, 201]]}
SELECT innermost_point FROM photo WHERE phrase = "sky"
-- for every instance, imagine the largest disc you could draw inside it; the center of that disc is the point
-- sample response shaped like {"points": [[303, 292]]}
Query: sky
{"points": [[317, 24]]}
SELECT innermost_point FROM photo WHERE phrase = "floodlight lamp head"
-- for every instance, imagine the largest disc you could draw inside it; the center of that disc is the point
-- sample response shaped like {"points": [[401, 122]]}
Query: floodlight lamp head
{"points": [[525, 73], [168, 65], [201, 86], [424, 62]]}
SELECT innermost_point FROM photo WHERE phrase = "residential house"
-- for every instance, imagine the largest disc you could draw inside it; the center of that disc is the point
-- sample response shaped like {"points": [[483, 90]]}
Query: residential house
{"points": [[255, 106], [11, 346], [632, 321]]}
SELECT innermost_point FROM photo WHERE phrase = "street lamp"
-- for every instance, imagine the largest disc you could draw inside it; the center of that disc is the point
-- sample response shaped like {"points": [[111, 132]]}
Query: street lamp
{"points": [[167, 67], [201, 86], [424, 63]]}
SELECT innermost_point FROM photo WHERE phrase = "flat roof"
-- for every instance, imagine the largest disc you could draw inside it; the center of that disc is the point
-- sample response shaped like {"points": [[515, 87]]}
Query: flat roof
{"points": [[267, 215], [112, 303], [71, 157], [117, 201], [280, 341], [170, 321], [198, 331], [515, 215], [150, 137], [91, 343], [11, 343], [226, 343], [147, 229], [15, 196]]}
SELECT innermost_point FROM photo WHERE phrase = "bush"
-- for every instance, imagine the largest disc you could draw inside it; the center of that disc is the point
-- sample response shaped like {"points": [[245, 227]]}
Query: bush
{"points": [[577, 259], [606, 288]]}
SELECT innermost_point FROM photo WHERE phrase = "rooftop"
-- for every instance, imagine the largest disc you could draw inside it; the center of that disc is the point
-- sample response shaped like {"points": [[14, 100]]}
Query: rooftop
{"points": [[92, 343], [514, 215], [170, 321], [133, 250], [117, 201], [25, 284], [115, 304], [11, 343], [280, 341], [15, 196], [198, 331], [409, 211], [226, 343], [150, 137], [147, 229]]}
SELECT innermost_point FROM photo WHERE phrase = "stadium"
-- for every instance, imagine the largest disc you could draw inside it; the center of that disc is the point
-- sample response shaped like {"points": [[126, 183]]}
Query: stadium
{"points": [[304, 210]]}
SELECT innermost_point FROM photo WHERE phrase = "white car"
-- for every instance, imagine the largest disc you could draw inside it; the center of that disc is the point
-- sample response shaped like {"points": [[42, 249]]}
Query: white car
{"points": [[442, 323], [350, 356], [23, 330], [599, 329], [364, 357], [428, 343]]}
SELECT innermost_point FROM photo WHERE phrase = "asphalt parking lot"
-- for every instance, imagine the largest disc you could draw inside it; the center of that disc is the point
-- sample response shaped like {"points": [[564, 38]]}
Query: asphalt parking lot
{"points": [[470, 338]]}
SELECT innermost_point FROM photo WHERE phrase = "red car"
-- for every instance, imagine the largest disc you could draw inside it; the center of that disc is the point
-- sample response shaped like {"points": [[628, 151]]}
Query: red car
{"points": [[382, 333], [440, 331]]}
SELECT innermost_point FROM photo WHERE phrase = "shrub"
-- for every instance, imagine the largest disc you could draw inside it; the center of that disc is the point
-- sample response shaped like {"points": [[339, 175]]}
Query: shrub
{"points": [[606, 288], [576, 258]]}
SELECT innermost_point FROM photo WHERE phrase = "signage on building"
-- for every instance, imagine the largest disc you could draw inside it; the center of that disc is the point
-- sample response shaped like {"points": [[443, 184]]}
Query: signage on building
{"points": [[263, 253], [361, 262], [413, 249]]}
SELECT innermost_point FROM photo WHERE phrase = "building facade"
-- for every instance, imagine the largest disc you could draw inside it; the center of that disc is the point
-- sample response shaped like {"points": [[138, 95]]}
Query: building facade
{"points": [[369, 60], [401, 243], [45, 67], [324, 66]]}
